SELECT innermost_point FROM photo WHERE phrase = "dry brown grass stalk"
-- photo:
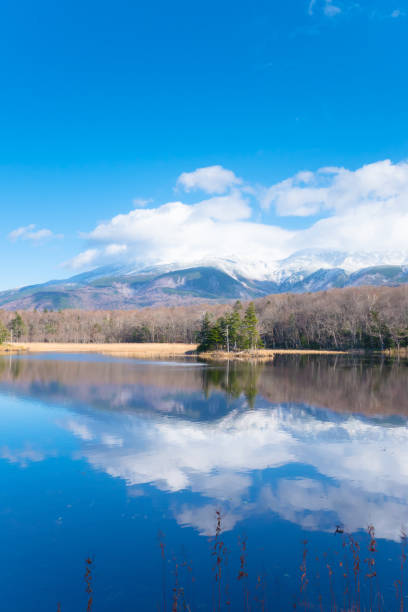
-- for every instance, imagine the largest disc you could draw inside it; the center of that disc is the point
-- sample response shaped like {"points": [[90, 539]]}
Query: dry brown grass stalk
{"points": [[140, 350]]}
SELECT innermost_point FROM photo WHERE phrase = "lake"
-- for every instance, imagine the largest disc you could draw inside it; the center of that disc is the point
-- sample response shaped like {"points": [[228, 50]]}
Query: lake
{"points": [[187, 486]]}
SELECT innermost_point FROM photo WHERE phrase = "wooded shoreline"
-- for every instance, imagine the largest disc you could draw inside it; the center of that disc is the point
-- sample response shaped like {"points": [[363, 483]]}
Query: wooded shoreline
{"points": [[363, 318]]}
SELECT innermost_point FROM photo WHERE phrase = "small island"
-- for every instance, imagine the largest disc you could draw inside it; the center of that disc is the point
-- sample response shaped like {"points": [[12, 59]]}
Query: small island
{"points": [[236, 337]]}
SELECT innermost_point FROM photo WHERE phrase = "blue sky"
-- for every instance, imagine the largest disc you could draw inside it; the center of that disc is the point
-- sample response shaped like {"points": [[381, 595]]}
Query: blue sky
{"points": [[104, 104]]}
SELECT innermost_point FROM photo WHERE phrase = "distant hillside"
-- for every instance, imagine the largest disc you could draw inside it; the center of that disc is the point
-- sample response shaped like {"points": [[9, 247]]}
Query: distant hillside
{"points": [[123, 288], [347, 318]]}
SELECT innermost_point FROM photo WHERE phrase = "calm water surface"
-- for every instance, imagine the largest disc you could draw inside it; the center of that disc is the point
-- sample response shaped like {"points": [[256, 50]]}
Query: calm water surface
{"points": [[128, 462]]}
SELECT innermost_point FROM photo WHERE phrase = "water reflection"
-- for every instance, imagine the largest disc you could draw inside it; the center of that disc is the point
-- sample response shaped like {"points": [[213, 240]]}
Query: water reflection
{"points": [[317, 441], [348, 471], [341, 384]]}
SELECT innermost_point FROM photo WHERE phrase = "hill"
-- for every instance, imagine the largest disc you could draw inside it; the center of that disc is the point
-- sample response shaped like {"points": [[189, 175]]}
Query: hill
{"points": [[216, 280]]}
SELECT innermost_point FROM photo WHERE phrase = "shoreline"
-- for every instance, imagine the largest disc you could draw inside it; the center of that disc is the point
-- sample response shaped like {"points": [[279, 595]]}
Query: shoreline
{"points": [[156, 350], [8, 348], [261, 354], [249, 355]]}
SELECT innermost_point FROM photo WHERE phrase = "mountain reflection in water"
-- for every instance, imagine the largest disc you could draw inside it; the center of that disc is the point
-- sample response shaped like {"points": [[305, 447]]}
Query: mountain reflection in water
{"points": [[340, 384], [315, 441]]}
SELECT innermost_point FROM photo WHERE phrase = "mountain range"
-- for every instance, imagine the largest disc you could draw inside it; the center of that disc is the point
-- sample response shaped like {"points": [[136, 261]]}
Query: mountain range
{"points": [[127, 286]]}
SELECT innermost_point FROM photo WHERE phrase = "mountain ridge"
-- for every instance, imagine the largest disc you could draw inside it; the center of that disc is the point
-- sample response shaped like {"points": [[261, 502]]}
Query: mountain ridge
{"points": [[216, 280]]}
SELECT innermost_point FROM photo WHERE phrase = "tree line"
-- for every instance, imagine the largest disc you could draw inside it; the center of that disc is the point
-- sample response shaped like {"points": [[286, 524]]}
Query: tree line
{"points": [[351, 318]]}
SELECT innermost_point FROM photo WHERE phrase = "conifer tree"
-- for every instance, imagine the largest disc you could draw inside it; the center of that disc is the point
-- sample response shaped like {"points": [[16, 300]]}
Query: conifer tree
{"points": [[251, 338], [238, 307], [215, 337], [230, 331], [204, 334], [17, 327], [224, 325], [235, 324], [3, 333]]}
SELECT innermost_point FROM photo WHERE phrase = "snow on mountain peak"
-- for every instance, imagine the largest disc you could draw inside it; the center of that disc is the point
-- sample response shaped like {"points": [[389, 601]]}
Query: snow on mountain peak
{"points": [[297, 265]]}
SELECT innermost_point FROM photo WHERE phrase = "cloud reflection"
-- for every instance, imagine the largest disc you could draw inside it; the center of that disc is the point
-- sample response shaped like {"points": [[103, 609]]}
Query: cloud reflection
{"points": [[22, 457], [360, 466], [302, 453]]}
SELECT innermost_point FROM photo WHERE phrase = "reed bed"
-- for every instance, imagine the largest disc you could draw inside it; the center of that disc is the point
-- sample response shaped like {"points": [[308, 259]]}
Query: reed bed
{"points": [[12, 348], [345, 578], [397, 352], [146, 350], [142, 350], [261, 355]]}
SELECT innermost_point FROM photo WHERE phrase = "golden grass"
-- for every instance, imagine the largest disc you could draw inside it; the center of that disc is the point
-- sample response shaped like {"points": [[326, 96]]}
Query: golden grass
{"points": [[11, 348], [305, 352], [139, 350], [256, 355], [260, 354], [152, 350], [402, 352]]}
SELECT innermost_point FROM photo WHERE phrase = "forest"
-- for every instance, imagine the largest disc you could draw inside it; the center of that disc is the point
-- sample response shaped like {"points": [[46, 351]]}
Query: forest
{"points": [[373, 318]]}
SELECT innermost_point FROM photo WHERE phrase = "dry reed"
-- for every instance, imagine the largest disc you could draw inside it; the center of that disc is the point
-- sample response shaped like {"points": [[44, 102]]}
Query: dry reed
{"points": [[360, 594]]}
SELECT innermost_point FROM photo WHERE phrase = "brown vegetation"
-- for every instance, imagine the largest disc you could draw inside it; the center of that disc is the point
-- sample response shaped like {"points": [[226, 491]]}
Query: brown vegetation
{"points": [[155, 351], [261, 355], [350, 576], [138, 350], [339, 319], [340, 383], [12, 348], [249, 355]]}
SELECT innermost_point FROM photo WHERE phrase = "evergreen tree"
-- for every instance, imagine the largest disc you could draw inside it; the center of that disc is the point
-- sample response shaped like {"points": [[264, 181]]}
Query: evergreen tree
{"points": [[17, 327], [228, 333], [204, 334], [3, 333], [216, 340], [231, 332], [235, 324], [251, 338], [238, 307]]}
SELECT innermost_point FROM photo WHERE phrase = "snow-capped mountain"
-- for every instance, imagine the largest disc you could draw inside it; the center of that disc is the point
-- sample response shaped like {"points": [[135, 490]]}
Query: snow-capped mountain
{"points": [[303, 262], [212, 279]]}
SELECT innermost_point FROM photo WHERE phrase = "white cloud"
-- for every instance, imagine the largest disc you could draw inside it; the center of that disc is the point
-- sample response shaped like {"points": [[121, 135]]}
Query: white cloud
{"points": [[29, 232], [365, 209], [212, 179], [351, 210], [331, 10], [367, 228], [299, 195], [338, 189], [115, 249], [21, 232], [141, 203], [180, 232], [85, 259]]}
